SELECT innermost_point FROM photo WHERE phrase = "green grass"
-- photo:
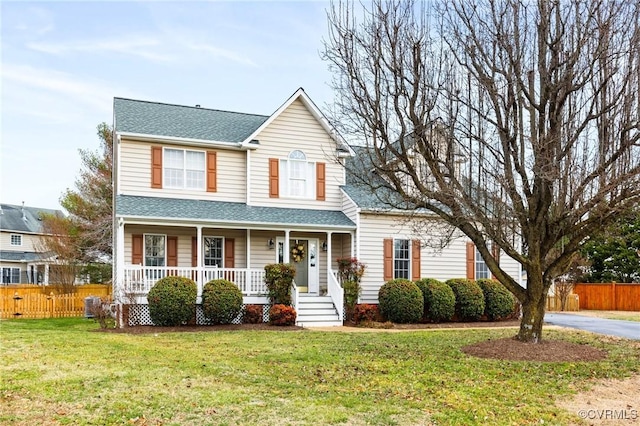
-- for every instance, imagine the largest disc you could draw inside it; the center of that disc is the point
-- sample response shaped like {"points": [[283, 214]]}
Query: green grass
{"points": [[62, 371]]}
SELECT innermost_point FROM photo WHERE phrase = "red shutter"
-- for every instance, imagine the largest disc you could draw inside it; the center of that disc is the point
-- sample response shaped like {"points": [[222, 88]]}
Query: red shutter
{"points": [[212, 171], [471, 261], [229, 253], [194, 251], [156, 167], [388, 259], [415, 260], [274, 179], [136, 249], [320, 181], [172, 251]]}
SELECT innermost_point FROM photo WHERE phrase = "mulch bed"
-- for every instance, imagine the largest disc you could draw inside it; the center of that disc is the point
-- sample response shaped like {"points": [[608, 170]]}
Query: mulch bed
{"points": [[546, 351], [146, 329]]}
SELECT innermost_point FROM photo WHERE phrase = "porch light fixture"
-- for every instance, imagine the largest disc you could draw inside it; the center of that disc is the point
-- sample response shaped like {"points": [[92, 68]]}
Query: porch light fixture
{"points": [[271, 244], [324, 246]]}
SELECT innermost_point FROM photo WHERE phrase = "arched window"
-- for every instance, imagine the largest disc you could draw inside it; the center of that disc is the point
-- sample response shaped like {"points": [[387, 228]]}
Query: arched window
{"points": [[299, 176]]}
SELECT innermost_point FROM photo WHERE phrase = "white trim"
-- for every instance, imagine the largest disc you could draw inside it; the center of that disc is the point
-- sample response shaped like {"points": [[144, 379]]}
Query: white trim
{"points": [[186, 141], [248, 186], [317, 114], [264, 226]]}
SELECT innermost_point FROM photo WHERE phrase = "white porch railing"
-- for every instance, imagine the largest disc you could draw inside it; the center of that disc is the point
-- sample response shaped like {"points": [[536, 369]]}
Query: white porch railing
{"points": [[336, 292], [138, 280]]}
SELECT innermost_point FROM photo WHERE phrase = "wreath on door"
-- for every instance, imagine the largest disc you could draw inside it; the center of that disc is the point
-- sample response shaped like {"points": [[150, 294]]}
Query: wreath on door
{"points": [[297, 253]]}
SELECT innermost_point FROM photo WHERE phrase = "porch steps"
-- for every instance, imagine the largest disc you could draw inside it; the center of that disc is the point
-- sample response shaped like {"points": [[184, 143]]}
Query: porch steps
{"points": [[316, 311]]}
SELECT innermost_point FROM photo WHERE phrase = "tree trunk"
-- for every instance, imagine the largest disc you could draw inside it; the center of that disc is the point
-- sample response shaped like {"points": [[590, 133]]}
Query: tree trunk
{"points": [[532, 318]]}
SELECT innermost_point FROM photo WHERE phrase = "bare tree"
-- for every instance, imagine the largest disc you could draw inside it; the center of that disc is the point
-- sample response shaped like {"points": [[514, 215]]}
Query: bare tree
{"points": [[61, 241], [516, 122]]}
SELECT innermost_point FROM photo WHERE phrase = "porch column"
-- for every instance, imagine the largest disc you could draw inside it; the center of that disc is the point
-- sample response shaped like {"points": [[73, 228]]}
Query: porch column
{"points": [[285, 255], [248, 249], [45, 281], [353, 245], [119, 269], [200, 269], [329, 256]]}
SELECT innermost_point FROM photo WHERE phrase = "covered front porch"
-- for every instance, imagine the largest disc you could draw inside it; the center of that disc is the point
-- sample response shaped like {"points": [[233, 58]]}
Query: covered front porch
{"points": [[149, 248]]}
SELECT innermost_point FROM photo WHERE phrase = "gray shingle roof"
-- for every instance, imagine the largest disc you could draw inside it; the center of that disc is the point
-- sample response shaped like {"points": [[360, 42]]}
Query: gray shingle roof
{"points": [[225, 212], [23, 219], [21, 256], [153, 118]]}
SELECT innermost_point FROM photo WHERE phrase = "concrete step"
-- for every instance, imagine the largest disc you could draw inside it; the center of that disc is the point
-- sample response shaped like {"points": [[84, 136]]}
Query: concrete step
{"points": [[311, 324], [316, 318], [315, 305], [320, 311]]}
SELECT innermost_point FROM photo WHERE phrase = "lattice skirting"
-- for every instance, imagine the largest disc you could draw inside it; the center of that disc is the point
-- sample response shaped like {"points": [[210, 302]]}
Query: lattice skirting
{"points": [[134, 315]]}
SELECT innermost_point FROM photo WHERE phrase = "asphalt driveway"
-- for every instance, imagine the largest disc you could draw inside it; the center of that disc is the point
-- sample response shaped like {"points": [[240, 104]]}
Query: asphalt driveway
{"points": [[620, 328]]}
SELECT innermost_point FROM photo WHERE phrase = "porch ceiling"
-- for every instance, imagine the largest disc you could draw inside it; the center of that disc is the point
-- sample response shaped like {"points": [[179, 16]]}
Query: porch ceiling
{"points": [[157, 208]]}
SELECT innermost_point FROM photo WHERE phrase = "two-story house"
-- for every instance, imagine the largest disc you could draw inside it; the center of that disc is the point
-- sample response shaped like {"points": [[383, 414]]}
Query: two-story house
{"points": [[23, 259], [207, 194]]}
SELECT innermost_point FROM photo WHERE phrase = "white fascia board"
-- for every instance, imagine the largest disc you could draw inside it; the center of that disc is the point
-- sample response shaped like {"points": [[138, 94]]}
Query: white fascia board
{"points": [[315, 111], [185, 141], [261, 226]]}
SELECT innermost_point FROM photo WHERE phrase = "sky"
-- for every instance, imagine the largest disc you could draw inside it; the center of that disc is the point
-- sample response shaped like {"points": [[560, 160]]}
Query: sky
{"points": [[63, 62]]}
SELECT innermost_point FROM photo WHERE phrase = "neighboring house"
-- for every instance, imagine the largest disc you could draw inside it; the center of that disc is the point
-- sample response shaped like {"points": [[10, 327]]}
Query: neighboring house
{"points": [[206, 194], [21, 258]]}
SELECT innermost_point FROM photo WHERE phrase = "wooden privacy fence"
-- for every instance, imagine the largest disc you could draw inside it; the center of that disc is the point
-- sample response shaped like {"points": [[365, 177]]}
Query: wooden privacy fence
{"points": [[553, 303], [609, 296], [32, 301]]}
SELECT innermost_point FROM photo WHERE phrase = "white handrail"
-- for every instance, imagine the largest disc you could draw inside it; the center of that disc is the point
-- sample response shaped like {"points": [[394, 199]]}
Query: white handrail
{"points": [[295, 295], [337, 294], [139, 279]]}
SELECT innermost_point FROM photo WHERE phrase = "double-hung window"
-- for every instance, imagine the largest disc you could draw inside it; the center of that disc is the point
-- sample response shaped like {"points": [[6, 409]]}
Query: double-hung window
{"points": [[10, 275], [401, 259], [154, 250], [297, 177], [213, 255], [482, 270], [184, 169], [16, 240]]}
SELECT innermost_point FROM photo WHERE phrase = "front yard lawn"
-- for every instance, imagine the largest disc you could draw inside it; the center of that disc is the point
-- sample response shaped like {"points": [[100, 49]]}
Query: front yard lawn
{"points": [[62, 371]]}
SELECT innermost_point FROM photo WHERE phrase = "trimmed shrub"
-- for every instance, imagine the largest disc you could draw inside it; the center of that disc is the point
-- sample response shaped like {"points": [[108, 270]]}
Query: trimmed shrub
{"points": [[499, 303], [282, 315], [279, 279], [351, 293], [469, 299], [365, 313], [221, 301], [252, 314], [439, 300], [172, 301], [401, 301]]}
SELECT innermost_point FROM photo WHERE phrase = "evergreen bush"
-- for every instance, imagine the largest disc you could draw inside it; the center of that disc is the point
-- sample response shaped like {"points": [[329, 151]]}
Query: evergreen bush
{"points": [[172, 301], [279, 280], [469, 299], [401, 301], [499, 302], [221, 301], [439, 300]]}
